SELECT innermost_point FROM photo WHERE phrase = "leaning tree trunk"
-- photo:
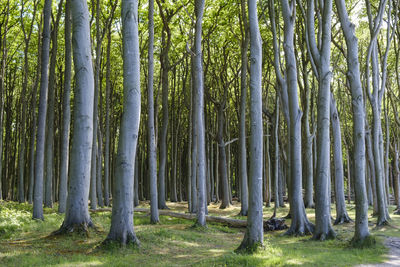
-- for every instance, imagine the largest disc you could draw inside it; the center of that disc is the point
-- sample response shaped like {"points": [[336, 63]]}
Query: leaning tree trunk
{"points": [[77, 216], [41, 130], [66, 113], [254, 235], [199, 107], [341, 212], [361, 233]]}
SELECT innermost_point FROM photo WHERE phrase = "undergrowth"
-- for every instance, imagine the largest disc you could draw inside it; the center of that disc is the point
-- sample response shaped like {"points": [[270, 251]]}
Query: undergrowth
{"points": [[173, 242]]}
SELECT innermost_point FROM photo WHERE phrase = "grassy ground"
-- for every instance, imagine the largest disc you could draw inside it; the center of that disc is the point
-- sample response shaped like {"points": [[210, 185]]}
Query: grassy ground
{"points": [[173, 242]]}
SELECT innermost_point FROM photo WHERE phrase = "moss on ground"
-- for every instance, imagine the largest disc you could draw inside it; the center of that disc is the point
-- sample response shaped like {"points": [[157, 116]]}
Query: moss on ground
{"points": [[174, 242]]}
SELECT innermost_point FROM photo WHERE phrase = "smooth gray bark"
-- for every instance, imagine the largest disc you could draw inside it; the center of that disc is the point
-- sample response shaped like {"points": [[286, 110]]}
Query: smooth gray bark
{"points": [[242, 128], [99, 184], [152, 157], [22, 129], [276, 171], [49, 186], [198, 83], [321, 56], [41, 129], [122, 211], [300, 224], [375, 99], [254, 235], [66, 112], [107, 133], [353, 74], [77, 216], [341, 212]]}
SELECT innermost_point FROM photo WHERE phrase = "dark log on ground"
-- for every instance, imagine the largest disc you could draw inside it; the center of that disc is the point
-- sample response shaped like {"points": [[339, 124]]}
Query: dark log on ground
{"points": [[272, 224]]}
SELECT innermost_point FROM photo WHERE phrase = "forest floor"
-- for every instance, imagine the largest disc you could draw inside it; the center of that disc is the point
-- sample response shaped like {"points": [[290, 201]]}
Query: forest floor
{"points": [[174, 242]]}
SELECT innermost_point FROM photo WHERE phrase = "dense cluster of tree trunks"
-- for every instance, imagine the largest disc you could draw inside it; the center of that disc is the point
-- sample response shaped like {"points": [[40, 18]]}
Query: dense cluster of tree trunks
{"points": [[227, 118]]}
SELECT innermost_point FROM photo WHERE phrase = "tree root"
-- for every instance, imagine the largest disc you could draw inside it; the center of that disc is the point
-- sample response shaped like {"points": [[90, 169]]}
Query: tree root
{"points": [[324, 236], [300, 229], [81, 229], [344, 218], [126, 240]]}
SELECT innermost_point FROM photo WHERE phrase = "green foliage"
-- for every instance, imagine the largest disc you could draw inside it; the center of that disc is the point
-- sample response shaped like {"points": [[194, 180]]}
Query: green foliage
{"points": [[173, 242]]}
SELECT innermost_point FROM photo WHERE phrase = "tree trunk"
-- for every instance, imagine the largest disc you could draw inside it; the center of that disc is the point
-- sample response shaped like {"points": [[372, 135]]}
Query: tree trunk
{"points": [[152, 154], [77, 216], [361, 233], [300, 224], [341, 212], [242, 128], [41, 130], [66, 112], [121, 229], [49, 185], [199, 108], [254, 235]]}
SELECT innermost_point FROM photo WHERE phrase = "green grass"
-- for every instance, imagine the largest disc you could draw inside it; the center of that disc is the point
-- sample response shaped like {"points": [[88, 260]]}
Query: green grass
{"points": [[173, 242]]}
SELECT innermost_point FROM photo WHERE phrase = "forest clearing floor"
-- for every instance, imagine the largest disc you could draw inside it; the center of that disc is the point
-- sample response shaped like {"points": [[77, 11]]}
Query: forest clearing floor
{"points": [[174, 242]]}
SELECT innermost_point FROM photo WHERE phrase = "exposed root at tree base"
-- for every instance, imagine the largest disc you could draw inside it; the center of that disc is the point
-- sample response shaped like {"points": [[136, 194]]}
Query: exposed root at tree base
{"points": [[324, 236], [344, 218], [367, 242], [382, 223], [81, 229], [397, 212], [302, 229]]}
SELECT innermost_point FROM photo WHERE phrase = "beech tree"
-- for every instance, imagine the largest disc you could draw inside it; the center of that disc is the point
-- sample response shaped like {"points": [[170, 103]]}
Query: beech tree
{"points": [[77, 216], [121, 229], [41, 128], [254, 235]]}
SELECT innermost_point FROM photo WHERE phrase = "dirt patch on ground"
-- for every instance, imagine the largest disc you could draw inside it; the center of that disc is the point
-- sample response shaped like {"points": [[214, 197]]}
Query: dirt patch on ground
{"points": [[393, 257]]}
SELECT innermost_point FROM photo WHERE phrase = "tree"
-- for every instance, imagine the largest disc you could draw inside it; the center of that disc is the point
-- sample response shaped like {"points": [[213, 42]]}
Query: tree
{"points": [[341, 212], [321, 57], [361, 233], [77, 216], [150, 121], [375, 99], [243, 87], [254, 235], [300, 224], [41, 129], [121, 229], [66, 112], [198, 86]]}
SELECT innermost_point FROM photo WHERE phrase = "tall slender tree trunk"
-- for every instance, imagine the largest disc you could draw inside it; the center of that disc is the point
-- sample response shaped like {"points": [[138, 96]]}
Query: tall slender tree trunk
{"points": [[300, 224], [107, 134], [41, 130], [321, 56], [77, 216], [66, 112], [121, 229], [198, 83], [49, 185], [242, 129], [254, 235], [361, 233], [152, 157], [341, 212]]}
